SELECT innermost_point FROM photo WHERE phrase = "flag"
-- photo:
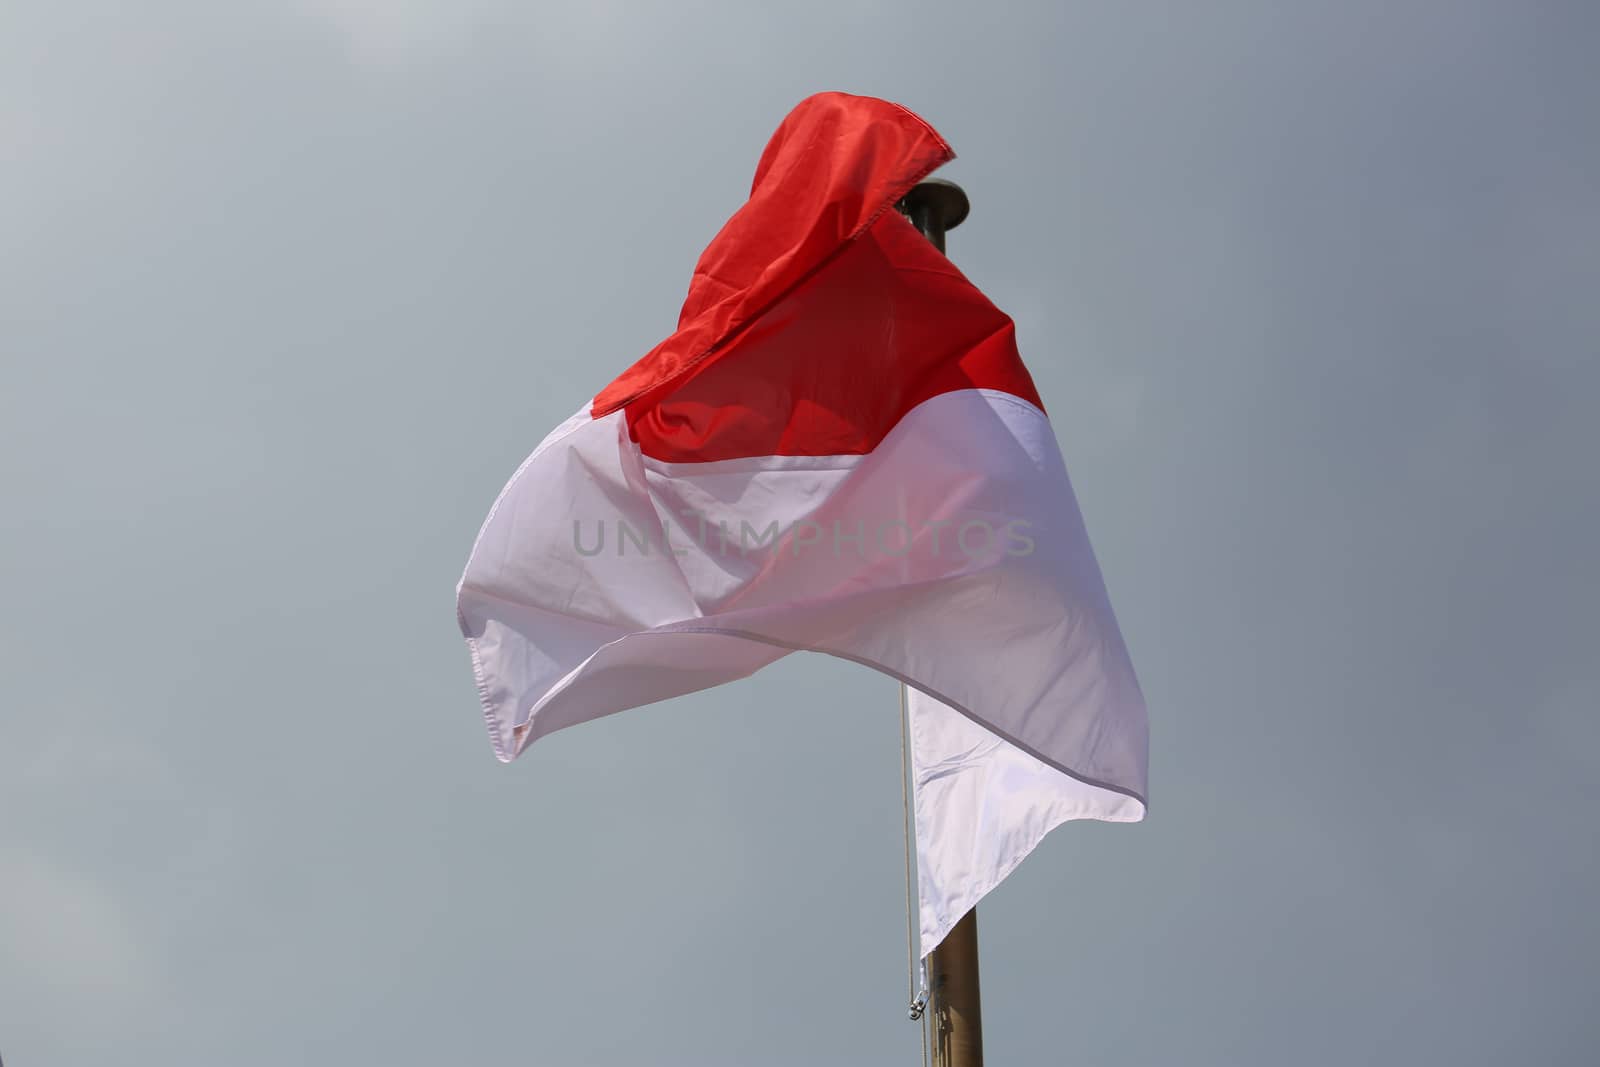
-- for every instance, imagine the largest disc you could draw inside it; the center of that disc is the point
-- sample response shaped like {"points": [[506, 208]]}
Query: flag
{"points": [[838, 450]]}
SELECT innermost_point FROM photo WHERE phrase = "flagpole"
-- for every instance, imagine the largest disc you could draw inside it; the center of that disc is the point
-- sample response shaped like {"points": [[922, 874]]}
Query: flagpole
{"points": [[934, 207]]}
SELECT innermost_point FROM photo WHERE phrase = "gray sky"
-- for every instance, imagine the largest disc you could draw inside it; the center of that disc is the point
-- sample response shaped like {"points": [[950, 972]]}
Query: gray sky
{"points": [[288, 290]]}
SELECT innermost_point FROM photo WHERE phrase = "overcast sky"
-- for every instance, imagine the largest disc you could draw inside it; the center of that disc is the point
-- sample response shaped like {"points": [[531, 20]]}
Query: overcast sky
{"points": [[288, 290]]}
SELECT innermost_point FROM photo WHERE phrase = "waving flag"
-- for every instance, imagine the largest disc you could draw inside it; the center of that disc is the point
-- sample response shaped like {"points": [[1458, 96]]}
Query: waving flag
{"points": [[839, 450]]}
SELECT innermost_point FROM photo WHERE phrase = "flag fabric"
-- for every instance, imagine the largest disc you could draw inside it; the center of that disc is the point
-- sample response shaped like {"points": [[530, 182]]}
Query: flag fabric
{"points": [[980, 806], [838, 450]]}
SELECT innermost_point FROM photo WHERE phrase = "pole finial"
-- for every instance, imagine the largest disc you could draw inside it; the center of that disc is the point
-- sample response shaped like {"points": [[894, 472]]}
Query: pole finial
{"points": [[935, 207]]}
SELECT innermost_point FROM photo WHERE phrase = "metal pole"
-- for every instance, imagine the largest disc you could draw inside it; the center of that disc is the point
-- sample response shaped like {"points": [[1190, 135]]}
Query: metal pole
{"points": [[934, 207]]}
